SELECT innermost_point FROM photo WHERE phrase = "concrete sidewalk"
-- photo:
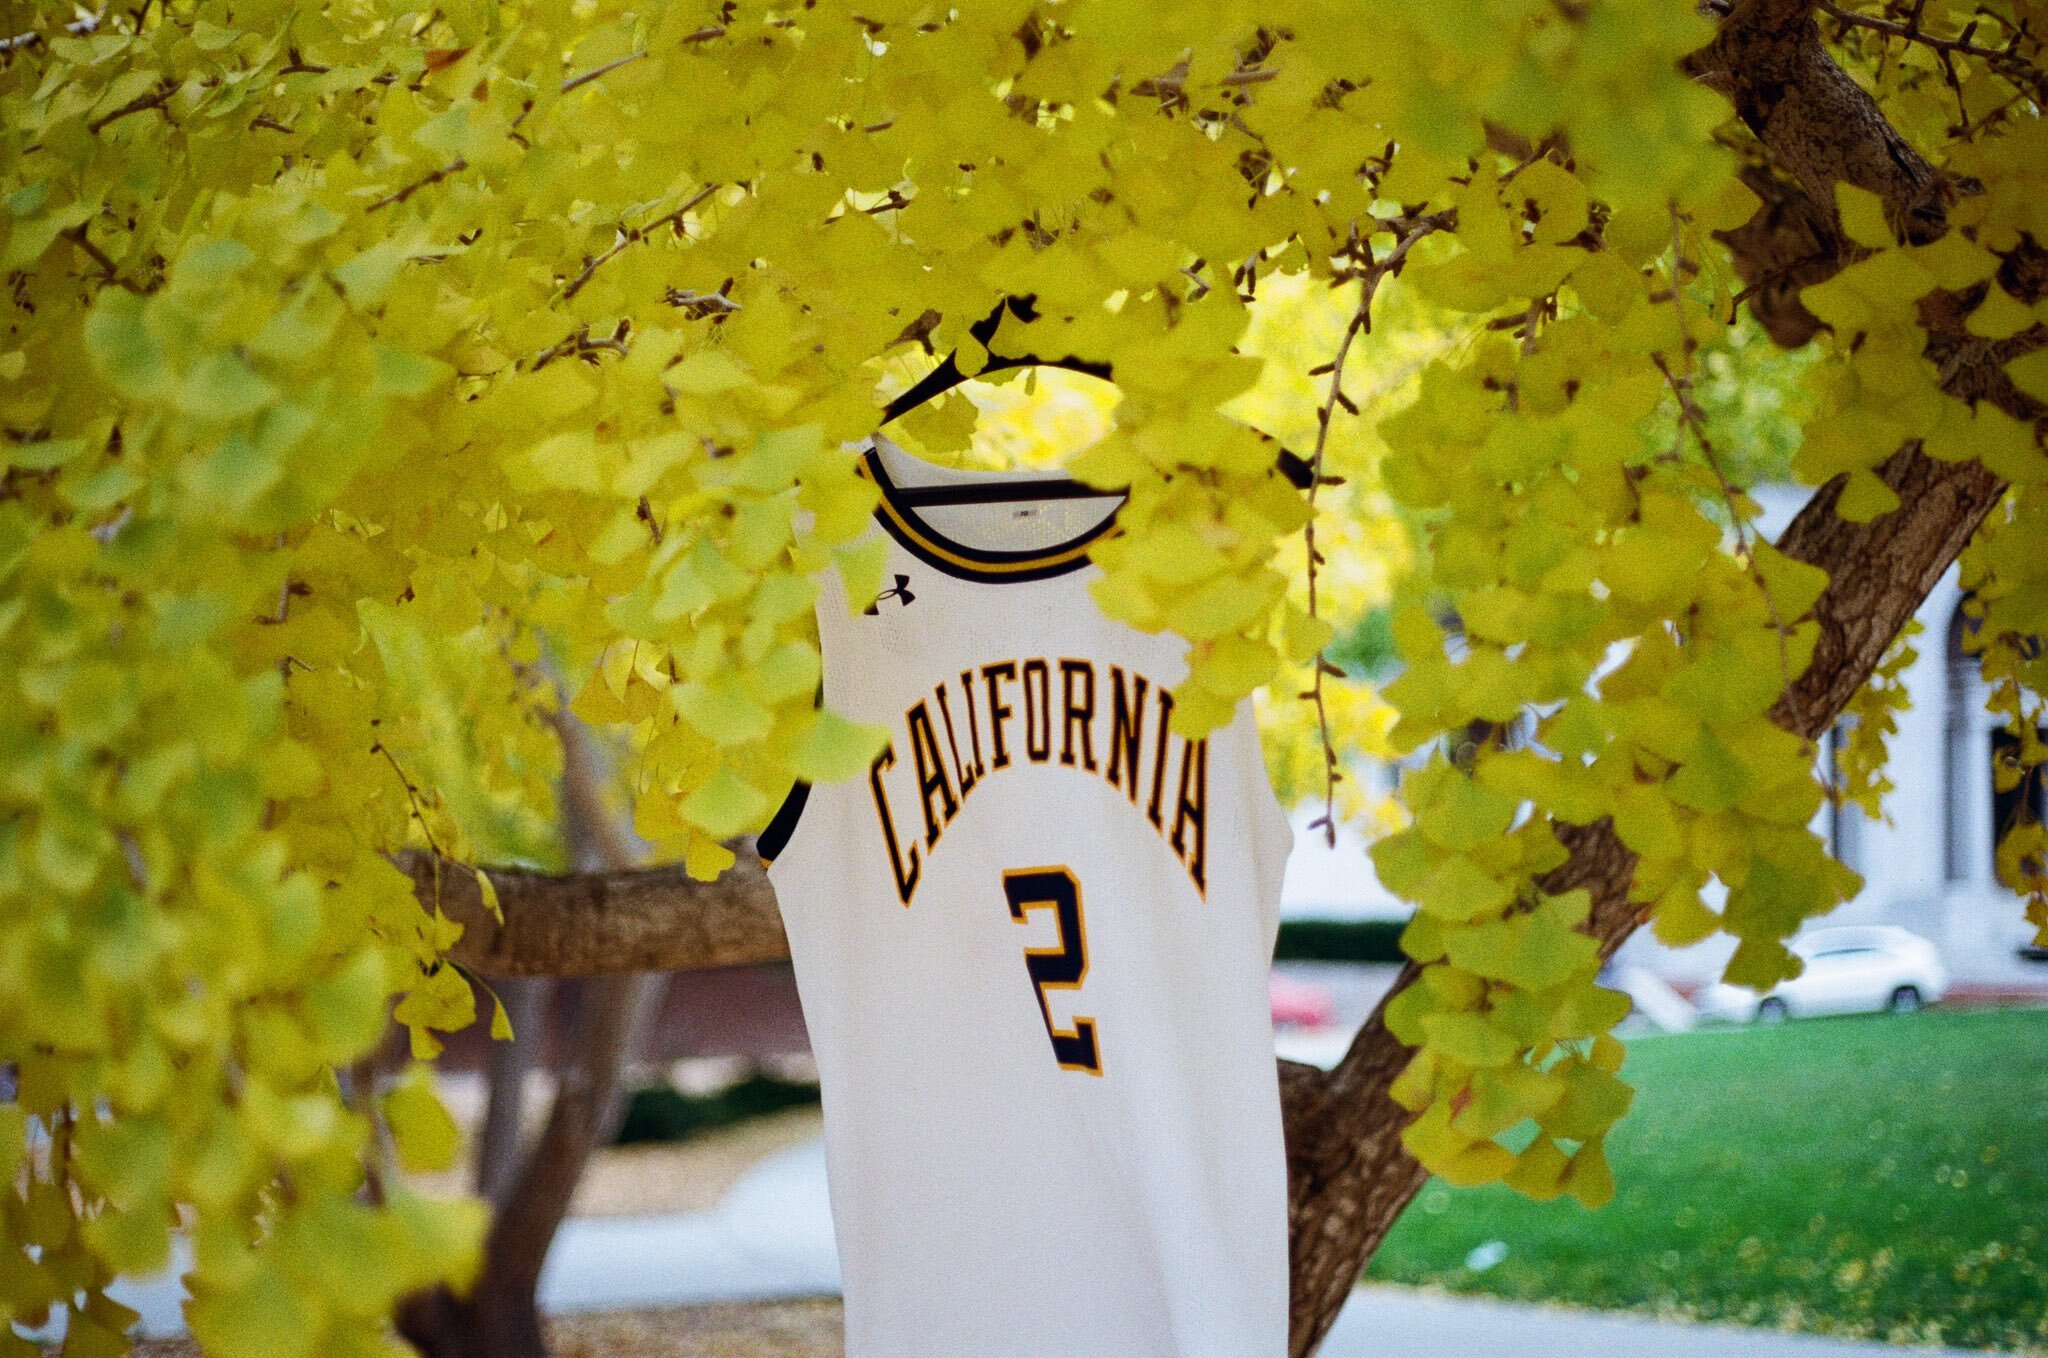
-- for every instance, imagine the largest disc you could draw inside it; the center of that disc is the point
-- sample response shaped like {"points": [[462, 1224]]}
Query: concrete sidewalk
{"points": [[1380, 1321], [771, 1237]]}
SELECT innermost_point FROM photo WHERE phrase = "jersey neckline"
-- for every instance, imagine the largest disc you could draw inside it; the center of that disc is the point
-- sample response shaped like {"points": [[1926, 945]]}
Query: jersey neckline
{"points": [[965, 560]]}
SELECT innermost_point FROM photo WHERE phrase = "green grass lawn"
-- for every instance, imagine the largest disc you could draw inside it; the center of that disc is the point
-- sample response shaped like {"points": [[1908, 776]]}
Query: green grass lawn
{"points": [[1881, 1176]]}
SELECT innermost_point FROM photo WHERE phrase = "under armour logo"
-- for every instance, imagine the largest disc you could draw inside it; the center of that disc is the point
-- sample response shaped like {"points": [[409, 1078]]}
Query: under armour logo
{"points": [[902, 591]]}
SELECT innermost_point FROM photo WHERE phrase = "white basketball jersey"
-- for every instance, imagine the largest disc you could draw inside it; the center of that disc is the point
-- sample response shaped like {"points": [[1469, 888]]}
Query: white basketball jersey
{"points": [[1032, 949]]}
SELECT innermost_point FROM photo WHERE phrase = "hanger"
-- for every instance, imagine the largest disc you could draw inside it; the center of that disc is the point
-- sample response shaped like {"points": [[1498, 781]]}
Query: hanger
{"points": [[1298, 470]]}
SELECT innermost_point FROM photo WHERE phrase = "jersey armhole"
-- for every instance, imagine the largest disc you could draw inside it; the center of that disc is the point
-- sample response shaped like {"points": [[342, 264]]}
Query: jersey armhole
{"points": [[775, 838]]}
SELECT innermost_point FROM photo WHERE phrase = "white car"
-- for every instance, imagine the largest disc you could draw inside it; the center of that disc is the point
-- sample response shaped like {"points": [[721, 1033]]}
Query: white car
{"points": [[1850, 969]]}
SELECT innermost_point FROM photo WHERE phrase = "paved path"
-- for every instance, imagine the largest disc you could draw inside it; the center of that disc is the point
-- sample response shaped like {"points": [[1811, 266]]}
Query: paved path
{"points": [[1382, 1322], [771, 1237]]}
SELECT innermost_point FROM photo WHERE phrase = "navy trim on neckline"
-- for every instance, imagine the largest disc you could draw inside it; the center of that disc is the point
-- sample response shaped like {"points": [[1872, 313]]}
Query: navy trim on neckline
{"points": [[967, 561]]}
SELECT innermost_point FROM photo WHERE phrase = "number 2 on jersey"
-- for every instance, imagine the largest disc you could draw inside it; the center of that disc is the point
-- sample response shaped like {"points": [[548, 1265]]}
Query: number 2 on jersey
{"points": [[1061, 967]]}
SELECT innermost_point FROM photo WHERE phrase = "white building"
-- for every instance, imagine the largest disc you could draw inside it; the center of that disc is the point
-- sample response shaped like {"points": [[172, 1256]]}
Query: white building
{"points": [[1927, 866]]}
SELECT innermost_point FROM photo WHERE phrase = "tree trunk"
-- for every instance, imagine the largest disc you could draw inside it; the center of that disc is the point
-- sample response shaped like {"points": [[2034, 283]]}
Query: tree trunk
{"points": [[501, 1316], [501, 1143]]}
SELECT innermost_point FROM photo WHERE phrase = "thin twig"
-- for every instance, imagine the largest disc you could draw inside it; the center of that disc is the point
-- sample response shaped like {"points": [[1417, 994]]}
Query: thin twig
{"points": [[2007, 60], [1911, 32], [1360, 323], [638, 233], [78, 236], [576, 82], [154, 99], [580, 343], [412, 795], [456, 166], [702, 304]]}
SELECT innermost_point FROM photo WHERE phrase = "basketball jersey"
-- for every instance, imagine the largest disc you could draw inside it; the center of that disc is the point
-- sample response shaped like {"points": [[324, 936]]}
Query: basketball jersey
{"points": [[1032, 949]]}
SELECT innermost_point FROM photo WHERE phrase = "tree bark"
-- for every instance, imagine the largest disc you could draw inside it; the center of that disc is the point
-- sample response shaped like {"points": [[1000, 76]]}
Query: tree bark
{"points": [[603, 923], [500, 1145], [501, 1317]]}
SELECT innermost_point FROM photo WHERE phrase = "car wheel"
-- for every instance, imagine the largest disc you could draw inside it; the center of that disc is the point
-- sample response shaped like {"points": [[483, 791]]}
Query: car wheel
{"points": [[1771, 1009], [1904, 1000]]}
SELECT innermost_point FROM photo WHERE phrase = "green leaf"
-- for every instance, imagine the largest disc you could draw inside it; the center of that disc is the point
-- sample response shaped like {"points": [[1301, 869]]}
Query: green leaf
{"points": [[501, 1022], [836, 748], [1731, 680], [403, 373], [1539, 1170], [1863, 219], [118, 339], [1460, 814], [260, 1313], [1449, 1153], [1588, 1177], [41, 455], [368, 277], [1461, 890], [446, 1236], [1592, 1101], [424, 1133], [1401, 860], [1470, 1038], [346, 1009], [1646, 823], [2029, 372], [1865, 498], [224, 388], [1503, 1097], [488, 890], [1588, 1010], [722, 710], [232, 477], [126, 1158], [1794, 585], [1713, 779], [726, 804], [1760, 963], [1533, 952]]}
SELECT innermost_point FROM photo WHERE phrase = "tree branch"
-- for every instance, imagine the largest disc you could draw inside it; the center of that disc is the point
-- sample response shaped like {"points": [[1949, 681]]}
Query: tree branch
{"points": [[603, 923]]}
